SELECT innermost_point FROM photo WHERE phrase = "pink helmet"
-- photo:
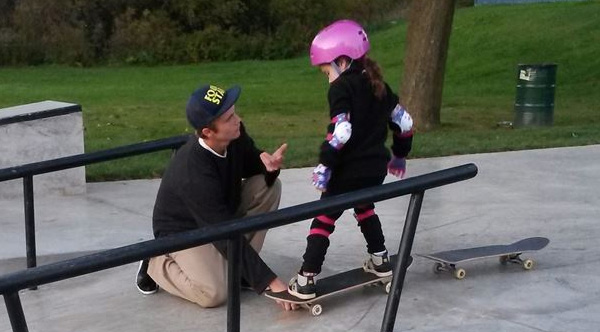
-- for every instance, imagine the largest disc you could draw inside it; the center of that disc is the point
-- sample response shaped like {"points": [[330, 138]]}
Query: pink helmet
{"points": [[343, 37]]}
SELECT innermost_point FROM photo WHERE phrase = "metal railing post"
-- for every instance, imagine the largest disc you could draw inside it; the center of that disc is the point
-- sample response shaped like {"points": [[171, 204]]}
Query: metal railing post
{"points": [[408, 235], [15, 312], [234, 255], [29, 221]]}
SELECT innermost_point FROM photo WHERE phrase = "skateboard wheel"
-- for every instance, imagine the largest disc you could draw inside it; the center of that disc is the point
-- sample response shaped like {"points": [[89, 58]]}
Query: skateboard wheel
{"points": [[460, 274], [388, 287], [438, 268], [504, 260], [528, 264], [316, 310]]}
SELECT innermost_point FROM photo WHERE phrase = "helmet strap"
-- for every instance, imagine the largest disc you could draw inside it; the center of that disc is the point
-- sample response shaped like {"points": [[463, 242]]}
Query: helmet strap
{"points": [[338, 70]]}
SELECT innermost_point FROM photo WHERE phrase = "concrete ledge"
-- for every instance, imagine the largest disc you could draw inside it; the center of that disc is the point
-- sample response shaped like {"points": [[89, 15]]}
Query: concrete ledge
{"points": [[38, 132]]}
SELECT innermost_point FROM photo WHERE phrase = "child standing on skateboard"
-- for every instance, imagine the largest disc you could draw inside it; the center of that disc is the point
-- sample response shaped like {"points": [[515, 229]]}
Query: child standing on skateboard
{"points": [[353, 156]]}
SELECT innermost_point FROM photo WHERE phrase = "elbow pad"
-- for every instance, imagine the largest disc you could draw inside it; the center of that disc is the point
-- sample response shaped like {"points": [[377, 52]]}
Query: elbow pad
{"points": [[401, 118], [341, 132]]}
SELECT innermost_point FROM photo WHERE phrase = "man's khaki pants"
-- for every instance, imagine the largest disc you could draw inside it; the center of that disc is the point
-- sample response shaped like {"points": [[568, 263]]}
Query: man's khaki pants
{"points": [[199, 274]]}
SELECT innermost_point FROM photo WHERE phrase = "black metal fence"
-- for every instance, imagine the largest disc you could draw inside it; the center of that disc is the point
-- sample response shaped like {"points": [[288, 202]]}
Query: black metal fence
{"points": [[26, 172], [232, 231]]}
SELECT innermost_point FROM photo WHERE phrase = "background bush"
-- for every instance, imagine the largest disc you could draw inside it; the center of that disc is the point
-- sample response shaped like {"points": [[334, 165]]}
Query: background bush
{"points": [[92, 32]]}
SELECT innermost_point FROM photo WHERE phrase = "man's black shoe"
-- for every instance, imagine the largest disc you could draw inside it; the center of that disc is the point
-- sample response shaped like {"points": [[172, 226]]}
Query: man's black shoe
{"points": [[143, 281]]}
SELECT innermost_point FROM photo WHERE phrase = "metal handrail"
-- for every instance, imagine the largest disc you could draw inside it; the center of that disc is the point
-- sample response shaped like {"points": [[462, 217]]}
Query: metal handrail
{"points": [[27, 172], [10, 284], [83, 159], [150, 248]]}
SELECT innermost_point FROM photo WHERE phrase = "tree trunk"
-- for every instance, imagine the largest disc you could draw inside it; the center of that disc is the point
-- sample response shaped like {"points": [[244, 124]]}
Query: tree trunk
{"points": [[428, 35]]}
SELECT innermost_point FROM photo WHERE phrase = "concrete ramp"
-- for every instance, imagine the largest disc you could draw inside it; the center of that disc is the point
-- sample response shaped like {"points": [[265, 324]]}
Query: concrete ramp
{"points": [[552, 193]]}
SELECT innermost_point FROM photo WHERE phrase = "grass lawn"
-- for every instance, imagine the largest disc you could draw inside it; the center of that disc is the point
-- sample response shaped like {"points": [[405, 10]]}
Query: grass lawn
{"points": [[285, 101]]}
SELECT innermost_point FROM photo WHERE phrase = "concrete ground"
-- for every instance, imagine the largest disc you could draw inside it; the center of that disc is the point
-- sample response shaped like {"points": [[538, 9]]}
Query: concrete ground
{"points": [[553, 193]]}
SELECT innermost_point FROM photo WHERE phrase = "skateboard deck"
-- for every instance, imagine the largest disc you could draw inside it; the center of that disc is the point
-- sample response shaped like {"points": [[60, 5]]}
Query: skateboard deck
{"points": [[511, 253], [337, 283]]}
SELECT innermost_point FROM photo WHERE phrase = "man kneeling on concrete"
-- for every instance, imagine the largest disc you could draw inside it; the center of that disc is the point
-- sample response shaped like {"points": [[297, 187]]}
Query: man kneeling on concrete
{"points": [[218, 175]]}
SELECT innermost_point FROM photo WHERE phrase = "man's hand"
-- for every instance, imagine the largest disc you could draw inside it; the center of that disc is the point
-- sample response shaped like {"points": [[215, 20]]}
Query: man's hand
{"points": [[274, 161], [279, 286]]}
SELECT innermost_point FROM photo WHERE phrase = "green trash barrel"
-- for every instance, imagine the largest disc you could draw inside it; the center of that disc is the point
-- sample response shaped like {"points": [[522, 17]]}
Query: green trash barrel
{"points": [[534, 103]]}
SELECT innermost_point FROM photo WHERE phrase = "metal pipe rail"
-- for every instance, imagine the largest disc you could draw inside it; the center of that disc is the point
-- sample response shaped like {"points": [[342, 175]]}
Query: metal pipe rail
{"points": [[83, 159], [27, 172], [232, 231]]}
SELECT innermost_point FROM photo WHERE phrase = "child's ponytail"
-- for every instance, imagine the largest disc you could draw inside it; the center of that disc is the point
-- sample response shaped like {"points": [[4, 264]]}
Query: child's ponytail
{"points": [[375, 77]]}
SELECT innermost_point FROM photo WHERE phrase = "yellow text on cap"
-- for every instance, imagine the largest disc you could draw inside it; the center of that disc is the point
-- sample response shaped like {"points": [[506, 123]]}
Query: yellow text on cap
{"points": [[214, 94]]}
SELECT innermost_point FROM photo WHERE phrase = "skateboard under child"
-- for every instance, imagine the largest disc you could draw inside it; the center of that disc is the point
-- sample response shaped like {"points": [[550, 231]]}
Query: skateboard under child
{"points": [[511, 253], [337, 283]]}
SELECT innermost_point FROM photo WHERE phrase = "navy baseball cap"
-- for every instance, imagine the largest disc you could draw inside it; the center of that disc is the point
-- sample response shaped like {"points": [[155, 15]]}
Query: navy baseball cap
{"points": [[208, 103]]}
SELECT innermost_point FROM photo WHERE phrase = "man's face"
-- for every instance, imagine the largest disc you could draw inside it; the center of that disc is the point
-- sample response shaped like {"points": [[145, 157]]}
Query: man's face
{"points": [[227, 126]]}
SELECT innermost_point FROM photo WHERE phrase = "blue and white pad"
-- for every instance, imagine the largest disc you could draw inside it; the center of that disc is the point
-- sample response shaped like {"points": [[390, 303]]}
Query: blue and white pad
{"points": [[401, 117], [341, 132]]}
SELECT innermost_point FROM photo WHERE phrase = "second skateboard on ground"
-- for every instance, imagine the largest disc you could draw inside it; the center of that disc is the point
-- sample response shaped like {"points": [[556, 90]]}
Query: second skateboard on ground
{"points": [[511, 253]]}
